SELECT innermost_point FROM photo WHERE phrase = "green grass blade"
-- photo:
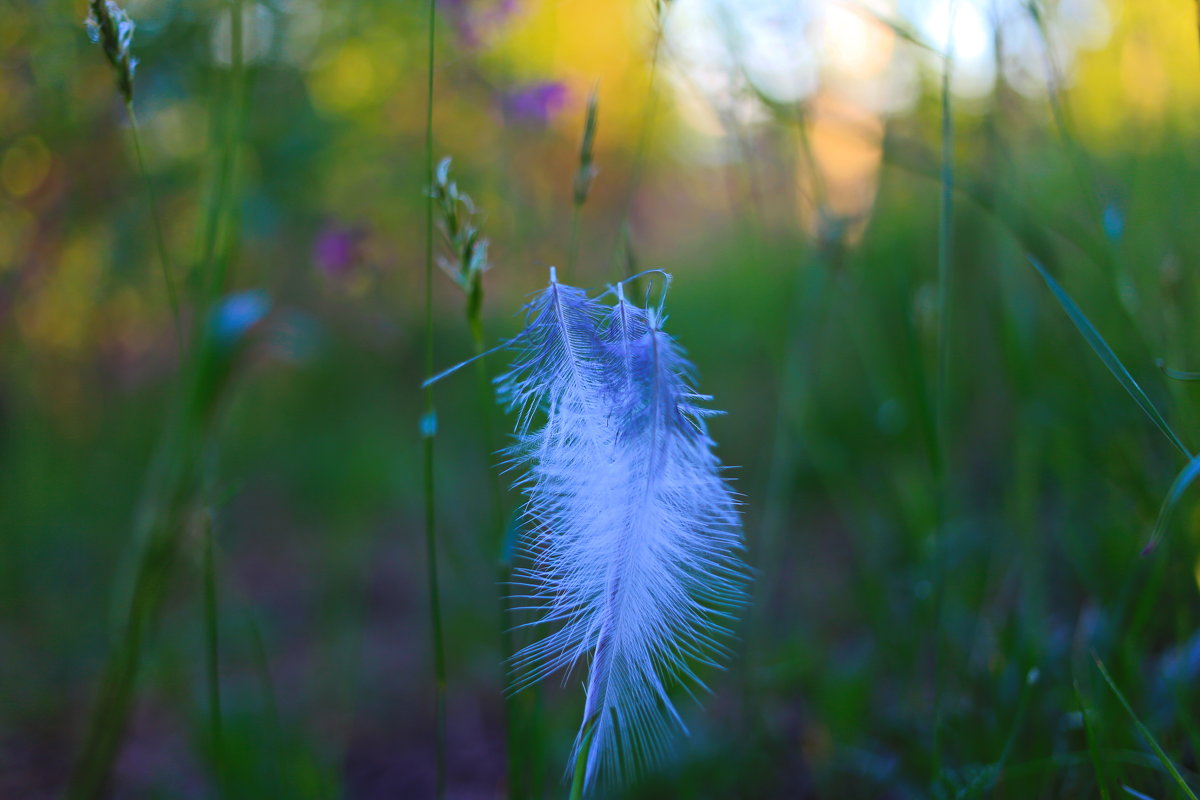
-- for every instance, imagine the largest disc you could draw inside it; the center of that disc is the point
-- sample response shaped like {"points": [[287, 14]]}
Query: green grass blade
{"points": [[1135, 793], [581, 758], [1093, 751], [1176, 374], [159, 238], [428, 427], [1109, 358], [212, 650], [896, 26], [985, 782], [940, 387], [1182, 481], [1158, 751]]}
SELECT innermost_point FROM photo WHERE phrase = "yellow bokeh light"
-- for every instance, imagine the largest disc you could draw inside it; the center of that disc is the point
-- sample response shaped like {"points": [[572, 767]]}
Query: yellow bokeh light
{"points": [[347, 80], [1150, 68], [58, 313], [586, 43], [180, 131], [847, 147], [856, 45], [1143, 77], [25, 166], [15, 224]]}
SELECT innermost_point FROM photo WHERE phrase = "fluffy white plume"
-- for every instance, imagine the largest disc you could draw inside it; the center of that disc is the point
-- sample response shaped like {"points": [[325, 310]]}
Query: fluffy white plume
{"points": [[632, 534]]}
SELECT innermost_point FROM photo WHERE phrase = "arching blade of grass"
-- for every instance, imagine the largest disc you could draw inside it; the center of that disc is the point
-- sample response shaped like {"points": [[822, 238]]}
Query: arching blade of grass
{"points": [[220, 214], [1093, 751], [581, 758], [1176, 374], [583, 179], [896, 26], [1149, 737], [212, 650], [428, 427], [159, 238], [941, 425], [986, 780], [1109, 358], [1182, 481], [1135, 793]]}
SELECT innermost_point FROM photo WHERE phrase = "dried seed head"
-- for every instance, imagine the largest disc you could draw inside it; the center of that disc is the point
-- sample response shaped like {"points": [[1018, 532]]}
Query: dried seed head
{"points": [[583, 178], [109, 26], [468, 258]]}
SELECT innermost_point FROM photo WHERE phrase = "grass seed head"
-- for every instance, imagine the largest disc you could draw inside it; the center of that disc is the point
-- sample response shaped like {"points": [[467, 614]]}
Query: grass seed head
{"points": [[468, 258], [109, 26], [587, 169]]}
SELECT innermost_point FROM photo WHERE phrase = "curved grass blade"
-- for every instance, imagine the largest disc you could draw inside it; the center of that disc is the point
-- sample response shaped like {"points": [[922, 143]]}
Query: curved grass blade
{"points": [[1182, 481], [1109, 358], [905, 32], [1158, 751], [581, 760], [1135, 793], [1093, 751], [1176, 374]]}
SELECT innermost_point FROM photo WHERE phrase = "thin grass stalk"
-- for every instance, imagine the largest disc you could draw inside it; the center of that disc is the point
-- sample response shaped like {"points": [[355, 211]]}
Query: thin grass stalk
{"points": [[266, 683], [583, 180], [1163, 758], [1093, 748], [985, 780], [171, 487], [808, 296], [456, 216], [218, 219], [428, 430], [159, 542], [1198, 19], [212, 654], [573, 242], [639, 156], [581, 760], [941, 385], [1081, 164], [159, 239], [515, 745], [810, 303]]}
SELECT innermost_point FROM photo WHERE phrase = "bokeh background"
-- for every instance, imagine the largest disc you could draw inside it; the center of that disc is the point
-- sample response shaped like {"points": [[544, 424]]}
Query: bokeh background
{"points": [[782, 161]]}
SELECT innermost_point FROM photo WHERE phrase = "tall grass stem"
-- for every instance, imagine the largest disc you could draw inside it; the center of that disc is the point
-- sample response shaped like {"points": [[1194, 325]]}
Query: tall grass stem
{"points": [[159, 238], [647, 124], [581, 760], [1166, 761], [1093, 748], [584, 175], [219, 217], [941, 388], [212, 651], [428, 430]]}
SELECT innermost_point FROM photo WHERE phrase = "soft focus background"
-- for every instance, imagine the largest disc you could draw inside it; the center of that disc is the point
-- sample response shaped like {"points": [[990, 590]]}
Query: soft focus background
{"points": [[781, 160]]}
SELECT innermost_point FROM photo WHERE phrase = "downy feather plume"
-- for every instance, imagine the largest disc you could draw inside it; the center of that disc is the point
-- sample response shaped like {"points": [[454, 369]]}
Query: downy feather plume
{"points": [[633, 542]]}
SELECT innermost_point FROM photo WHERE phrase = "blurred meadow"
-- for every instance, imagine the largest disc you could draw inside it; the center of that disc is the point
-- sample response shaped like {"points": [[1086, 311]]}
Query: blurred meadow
{"points": [[934, 258]]}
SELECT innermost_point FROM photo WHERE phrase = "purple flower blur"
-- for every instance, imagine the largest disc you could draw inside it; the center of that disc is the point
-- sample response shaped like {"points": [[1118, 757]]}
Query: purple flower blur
{"points": [[337, 250], [535, 104], [473, 19]]}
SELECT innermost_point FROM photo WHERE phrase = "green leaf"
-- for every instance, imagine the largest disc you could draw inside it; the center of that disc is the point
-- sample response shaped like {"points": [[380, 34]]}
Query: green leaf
{"points": [[1176, 374], [1109, 358], [1158, 751], [1182, 481], [1093, 755], [1135, 793]]}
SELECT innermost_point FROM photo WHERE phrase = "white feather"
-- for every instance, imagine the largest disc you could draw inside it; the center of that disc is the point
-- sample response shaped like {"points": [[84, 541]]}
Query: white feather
{"points": [[632, 534]]}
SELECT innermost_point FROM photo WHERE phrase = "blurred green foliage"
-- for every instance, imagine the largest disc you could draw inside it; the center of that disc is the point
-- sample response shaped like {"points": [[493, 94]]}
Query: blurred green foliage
{"points": [[821, 347]]}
